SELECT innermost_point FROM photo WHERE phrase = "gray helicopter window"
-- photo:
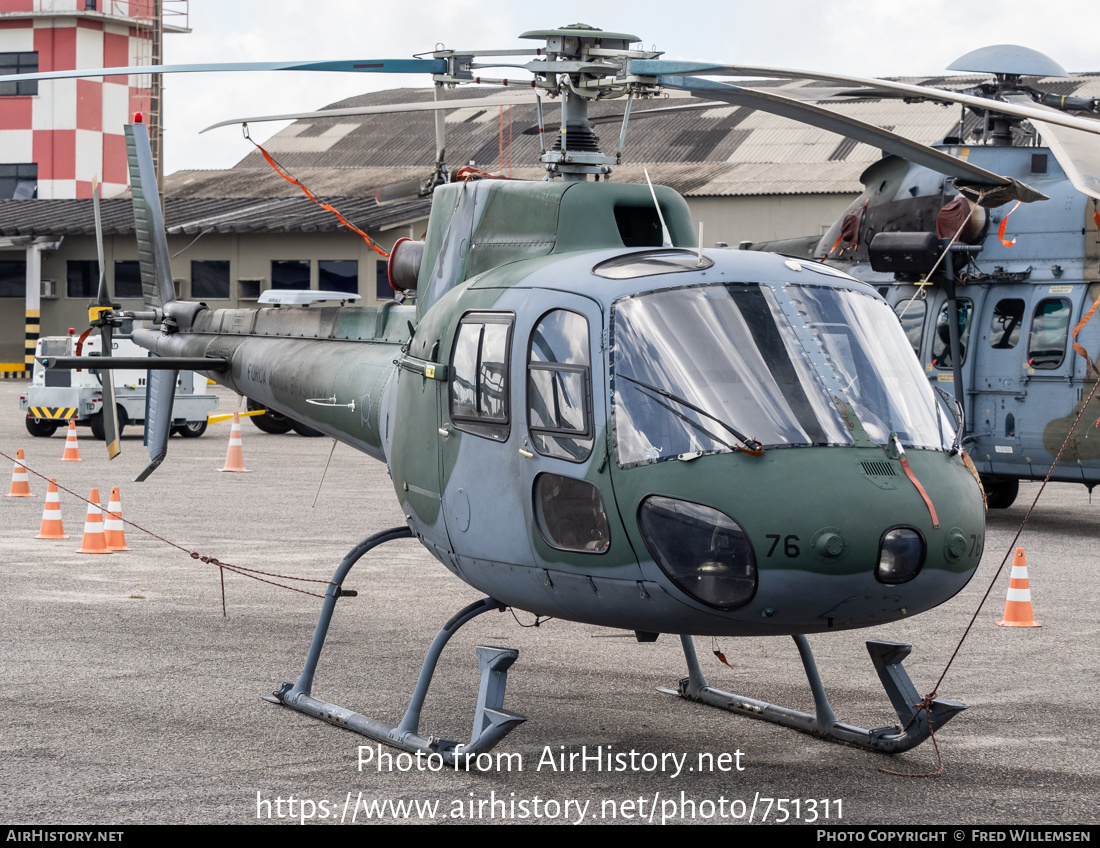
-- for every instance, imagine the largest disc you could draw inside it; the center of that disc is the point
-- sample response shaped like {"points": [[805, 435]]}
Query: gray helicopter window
{"points": [[911, 313], [570, 514], [479, 374], [1004, 328], [941, 341], [1046, 348], [704, 369], [559, 390]]}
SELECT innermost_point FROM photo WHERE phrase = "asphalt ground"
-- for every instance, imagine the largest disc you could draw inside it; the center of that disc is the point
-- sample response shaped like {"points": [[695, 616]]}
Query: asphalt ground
{"points": [[128, 698]]}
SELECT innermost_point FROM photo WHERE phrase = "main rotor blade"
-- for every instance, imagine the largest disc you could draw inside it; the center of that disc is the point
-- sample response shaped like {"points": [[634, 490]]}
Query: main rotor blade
{"points": [[1078, 155], [367, 66], [660, 67], [352, 111], [807, 113]]}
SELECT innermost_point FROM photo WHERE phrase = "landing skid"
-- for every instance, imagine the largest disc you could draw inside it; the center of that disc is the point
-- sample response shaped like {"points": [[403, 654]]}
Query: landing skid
{"points": [[915, 724], [491, 721]]}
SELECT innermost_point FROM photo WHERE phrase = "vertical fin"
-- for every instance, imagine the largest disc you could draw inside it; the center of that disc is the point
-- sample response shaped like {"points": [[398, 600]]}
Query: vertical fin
{"points": [[160, 392], [156, 269], [156, 286]]}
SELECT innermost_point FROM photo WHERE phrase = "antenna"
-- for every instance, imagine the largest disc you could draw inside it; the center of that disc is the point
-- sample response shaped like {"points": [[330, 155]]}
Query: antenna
{"points": [[666, 239]]}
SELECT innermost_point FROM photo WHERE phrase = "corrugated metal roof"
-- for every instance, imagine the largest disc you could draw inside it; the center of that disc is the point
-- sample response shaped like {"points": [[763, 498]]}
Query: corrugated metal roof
{"points": [[719, 135]]}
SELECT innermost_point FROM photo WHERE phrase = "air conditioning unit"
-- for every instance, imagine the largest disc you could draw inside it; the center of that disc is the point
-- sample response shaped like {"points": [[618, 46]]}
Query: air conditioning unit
{"points": [[48, 289]]}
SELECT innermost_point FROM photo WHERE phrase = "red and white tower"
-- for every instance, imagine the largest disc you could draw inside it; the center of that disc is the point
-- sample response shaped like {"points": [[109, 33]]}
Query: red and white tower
{"points": [[55, 135]]}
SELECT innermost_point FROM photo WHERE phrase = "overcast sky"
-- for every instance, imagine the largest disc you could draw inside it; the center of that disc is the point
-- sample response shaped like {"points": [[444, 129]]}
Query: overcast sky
{"points": [[858, 37]]}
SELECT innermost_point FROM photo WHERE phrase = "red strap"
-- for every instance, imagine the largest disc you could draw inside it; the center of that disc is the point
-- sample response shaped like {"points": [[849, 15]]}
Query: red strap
{"points": [[1080, 348], [927, 500], [1004, 223], [324, 206]]}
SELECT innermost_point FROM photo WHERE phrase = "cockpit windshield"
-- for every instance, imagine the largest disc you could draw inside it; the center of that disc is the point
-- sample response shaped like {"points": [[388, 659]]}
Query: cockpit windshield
{"points": [[707, 369]]}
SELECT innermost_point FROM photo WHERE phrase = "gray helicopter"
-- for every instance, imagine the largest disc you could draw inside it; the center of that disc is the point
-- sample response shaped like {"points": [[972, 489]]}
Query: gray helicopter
{"points": [[587, 415], [998, 309]]}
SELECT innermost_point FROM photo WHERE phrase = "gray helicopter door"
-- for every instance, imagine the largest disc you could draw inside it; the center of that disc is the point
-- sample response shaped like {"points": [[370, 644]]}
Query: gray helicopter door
{"points": [[937, 357], [478, 449], [1000, 384], [585, 564], [1054, 374]]}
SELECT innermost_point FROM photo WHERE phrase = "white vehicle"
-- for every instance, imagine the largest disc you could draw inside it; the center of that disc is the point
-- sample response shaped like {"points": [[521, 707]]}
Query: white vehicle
{"points": [[56, 396]]}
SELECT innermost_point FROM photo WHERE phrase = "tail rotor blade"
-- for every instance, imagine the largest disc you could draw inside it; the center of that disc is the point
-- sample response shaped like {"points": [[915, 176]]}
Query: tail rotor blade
{"points": [[110, 411], [106, 375]]}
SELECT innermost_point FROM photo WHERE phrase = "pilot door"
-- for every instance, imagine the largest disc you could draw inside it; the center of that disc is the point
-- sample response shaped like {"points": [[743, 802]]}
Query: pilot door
{"points": [[525, 468]]}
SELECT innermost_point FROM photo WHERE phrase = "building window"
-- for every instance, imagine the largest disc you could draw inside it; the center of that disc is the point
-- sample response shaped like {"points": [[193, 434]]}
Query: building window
{"points": [[83, 277], [340, 275], [128, 279], [18, 182], [210, 279], [18, 63], [13, 277], [289, 274], [382, 288]]}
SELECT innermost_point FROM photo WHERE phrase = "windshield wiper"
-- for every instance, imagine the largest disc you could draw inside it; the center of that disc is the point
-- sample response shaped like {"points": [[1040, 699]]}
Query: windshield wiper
{"points": [[749, 446]]}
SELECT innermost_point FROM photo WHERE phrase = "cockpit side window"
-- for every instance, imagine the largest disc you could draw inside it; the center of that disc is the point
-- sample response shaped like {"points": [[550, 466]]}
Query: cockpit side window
{"points": [[1004, 329], [559, 386], [941, 341], [1046, 348], [479, 374], [911, 312]]}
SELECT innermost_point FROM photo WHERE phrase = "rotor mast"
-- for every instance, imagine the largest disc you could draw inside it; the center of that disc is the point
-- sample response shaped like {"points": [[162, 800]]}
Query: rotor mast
{"points": [[579, 64]]}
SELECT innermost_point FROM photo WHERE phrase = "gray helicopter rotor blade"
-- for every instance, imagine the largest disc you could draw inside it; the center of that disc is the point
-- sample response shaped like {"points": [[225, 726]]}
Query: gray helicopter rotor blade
{"points": [[369, 66], [106, 375], [824, 119], [1078, 155], [355, 111], [659, 68]]}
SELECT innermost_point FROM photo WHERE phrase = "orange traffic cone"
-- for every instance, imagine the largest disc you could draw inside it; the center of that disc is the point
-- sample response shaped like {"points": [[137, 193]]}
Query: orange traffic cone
{"points": [[72, 449], [114, 530], [94, 542], [1018, 611], [20, 482], [51, 515], [234, 457]]}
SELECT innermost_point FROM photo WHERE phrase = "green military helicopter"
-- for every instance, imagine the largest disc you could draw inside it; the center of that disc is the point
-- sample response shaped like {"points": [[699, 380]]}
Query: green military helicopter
{"points": [[586, 415]]}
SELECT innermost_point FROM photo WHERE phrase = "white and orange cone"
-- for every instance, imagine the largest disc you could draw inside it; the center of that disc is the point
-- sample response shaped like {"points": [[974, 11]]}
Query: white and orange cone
{"points": [[52, 528], [234, 457], [20, 481], [114, 530], [1018, 612], [95, 541], [72, 449]]}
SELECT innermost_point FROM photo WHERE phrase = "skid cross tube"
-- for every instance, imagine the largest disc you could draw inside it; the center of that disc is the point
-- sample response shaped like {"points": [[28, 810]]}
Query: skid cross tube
{"points": [[491, 721], [915, 723]]}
